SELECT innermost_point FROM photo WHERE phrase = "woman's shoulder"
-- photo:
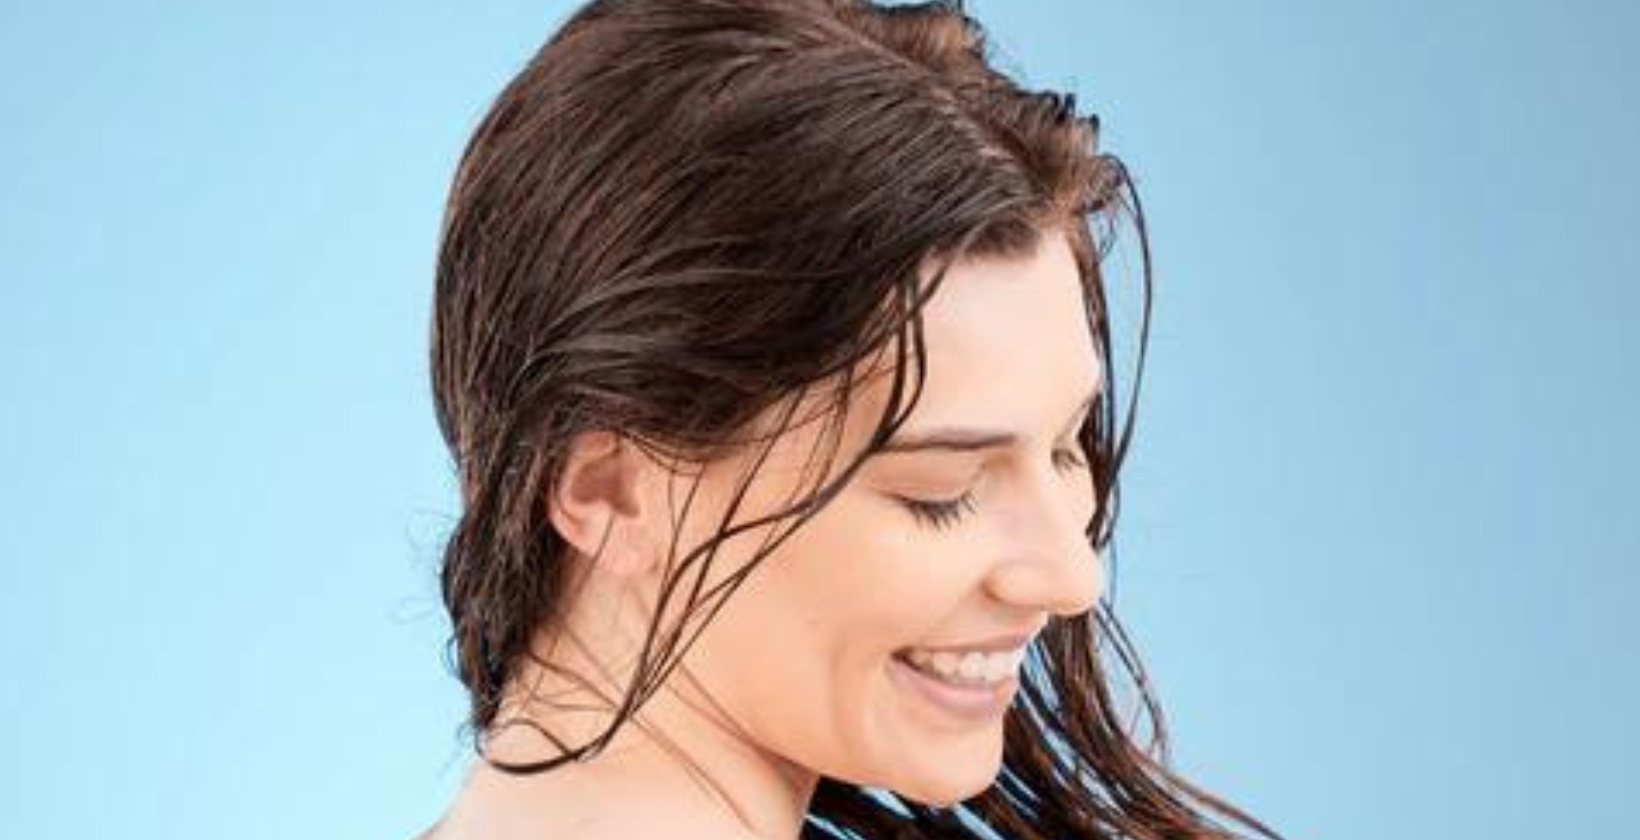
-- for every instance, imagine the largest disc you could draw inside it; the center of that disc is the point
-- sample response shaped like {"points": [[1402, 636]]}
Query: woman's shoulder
{"points": [[623, 829], [595, 818], [578, 802]]}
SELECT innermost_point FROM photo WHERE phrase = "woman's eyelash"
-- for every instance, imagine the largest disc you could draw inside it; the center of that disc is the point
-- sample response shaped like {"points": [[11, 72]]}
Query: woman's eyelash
{"points": [[940, 514], [944, 514]]}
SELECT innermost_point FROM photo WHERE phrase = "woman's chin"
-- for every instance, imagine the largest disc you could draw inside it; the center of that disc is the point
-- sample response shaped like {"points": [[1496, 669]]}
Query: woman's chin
{"points": [[946, 784]]}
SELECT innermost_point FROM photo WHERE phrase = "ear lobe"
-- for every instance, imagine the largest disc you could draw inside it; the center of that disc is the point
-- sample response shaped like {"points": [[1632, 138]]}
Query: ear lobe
{"points": [[597, 503]]}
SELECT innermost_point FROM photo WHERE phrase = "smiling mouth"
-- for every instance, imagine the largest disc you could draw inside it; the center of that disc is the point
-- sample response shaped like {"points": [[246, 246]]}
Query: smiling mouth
{"points": [[973, 702], [970, 670]]}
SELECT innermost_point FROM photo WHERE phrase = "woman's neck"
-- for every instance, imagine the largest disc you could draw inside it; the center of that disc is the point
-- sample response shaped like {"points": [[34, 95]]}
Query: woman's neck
{"points": [[677, 762]]}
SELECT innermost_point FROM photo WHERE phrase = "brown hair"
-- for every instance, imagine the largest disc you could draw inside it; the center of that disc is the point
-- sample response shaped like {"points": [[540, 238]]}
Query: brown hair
{"points": [[681, 216]]}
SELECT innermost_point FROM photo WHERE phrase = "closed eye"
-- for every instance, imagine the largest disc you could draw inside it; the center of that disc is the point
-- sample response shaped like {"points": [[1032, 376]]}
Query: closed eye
{"points": [[944, 513]]}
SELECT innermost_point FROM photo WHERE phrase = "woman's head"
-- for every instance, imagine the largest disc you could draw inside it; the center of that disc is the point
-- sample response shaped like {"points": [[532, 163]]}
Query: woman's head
{"points": [[706, 266], [808, 658]]}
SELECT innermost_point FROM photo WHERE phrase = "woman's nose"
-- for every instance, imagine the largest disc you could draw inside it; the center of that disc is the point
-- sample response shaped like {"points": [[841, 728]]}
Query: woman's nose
{"points": [[1049, 562]]}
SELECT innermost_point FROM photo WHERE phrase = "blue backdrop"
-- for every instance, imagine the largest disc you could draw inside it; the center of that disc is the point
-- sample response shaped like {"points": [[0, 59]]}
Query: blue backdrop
{"points": [[1375, 540]]}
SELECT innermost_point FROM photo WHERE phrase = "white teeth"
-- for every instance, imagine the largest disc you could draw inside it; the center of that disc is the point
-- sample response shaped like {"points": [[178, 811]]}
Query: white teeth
{"points": [[970, 667]]}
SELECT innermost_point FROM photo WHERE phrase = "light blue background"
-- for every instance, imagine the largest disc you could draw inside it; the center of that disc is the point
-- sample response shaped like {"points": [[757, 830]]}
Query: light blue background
{"points": [[1376, 546]]}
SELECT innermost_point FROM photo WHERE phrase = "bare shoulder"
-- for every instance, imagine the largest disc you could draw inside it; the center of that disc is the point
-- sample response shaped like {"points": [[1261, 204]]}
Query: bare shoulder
{"points": [[625, 822], [579, 802], [593, 817], [595, 828]]}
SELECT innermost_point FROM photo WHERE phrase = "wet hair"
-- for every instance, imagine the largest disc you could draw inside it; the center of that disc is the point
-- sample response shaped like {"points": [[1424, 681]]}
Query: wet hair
{"points": [[683, 216]]}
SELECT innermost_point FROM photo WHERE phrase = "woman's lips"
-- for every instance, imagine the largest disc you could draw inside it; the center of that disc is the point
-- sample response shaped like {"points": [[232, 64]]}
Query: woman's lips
{"points": [[968, 704]]}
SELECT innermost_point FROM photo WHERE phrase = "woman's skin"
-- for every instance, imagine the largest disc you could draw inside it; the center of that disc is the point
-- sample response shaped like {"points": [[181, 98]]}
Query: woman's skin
{"points": [[792, 678]]}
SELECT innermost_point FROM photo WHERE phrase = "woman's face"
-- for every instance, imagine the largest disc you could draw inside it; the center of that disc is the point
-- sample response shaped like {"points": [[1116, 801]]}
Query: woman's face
{"points": [[808, 656]]}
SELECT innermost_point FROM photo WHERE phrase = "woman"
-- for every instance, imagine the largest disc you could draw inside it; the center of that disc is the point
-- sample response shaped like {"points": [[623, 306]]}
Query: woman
{"points": [[770, 343]]}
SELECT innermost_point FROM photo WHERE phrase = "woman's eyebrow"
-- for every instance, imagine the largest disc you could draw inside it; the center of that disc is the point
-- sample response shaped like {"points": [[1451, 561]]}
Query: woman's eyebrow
{"points": [[965, 439]]}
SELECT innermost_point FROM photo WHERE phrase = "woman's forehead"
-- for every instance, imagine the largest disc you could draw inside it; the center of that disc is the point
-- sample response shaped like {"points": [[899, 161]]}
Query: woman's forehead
{"points": [[1008, 340]]}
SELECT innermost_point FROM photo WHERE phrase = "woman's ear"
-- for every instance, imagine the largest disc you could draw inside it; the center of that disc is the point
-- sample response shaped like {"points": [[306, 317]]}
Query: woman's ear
{"points": [[599, 503]]}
